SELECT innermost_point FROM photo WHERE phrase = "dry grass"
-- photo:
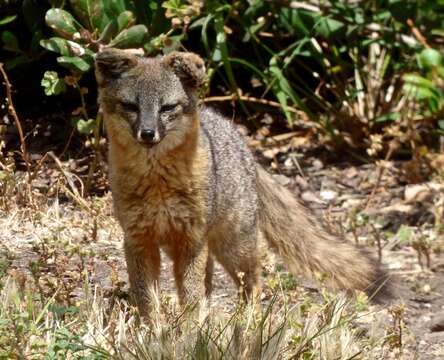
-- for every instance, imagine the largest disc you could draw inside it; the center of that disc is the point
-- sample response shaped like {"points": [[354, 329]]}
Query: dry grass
{"points": [[31, 326], [63, 294]]}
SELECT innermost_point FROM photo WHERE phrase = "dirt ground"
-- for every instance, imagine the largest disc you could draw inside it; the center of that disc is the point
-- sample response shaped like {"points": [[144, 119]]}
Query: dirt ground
{"points": [[400, 220], [371, 204]]}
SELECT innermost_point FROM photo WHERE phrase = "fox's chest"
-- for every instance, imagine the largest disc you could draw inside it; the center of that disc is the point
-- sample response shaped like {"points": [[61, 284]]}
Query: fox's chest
{"points": [[159, 208], [165, 210], [160, 198]]}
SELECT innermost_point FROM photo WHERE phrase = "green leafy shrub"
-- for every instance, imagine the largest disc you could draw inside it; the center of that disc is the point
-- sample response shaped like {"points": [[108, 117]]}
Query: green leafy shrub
{"points": [[52, 84], [347, 66], [92, 24], [21, 29], [426, 86]]}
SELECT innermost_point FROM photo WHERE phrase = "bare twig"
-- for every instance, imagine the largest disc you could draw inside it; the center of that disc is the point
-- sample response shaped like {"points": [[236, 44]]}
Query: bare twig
{"points": [[381, 171], [250, 99], [377, 236], [296, 163], [65, 148], [72, 190], [11, 110], [304, 6], [417, 33], [23, 149], [275, 139], [97, 155]]}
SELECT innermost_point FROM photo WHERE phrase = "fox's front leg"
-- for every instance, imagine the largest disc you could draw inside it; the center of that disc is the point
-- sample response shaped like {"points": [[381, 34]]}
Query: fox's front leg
{"points": [[143, 263], [190, 263]]}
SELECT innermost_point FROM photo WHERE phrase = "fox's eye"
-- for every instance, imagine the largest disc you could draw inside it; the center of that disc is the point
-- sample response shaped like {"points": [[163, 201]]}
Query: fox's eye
{"points": [[130, 107], [168, 107]]}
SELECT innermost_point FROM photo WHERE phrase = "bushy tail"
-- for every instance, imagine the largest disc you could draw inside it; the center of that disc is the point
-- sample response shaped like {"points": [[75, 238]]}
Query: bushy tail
{"points": [[295, 234]]}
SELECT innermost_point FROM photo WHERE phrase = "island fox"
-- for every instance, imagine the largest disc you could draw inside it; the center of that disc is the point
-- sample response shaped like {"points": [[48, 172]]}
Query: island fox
{"points": [[184, 180]]}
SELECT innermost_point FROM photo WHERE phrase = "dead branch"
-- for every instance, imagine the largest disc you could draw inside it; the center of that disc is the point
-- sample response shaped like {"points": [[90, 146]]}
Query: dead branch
{"points": [[13, 113], [250, 99]]}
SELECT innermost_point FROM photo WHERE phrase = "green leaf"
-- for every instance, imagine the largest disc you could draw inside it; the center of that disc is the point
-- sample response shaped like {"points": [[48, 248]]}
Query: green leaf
{"points": [[91, 13], [74, 63], [7, 19], [63, 47], [116, 7], [10, 41], [197, 23], [418, 80], [429, 59], [249, 66], [405, 234], [154, 44], [327, 27], [222, 47], [440, 71], [52, 84], [420, 93], [283, 89], [388, 117], [204, 34], [116, 26], [296, 21], [62, 310], [423, 89], [135, 36], [110, 31], [434, 103], [62, 22], [85, 127], [441, 124], [125, 20], [437, 32], [82, 10]]}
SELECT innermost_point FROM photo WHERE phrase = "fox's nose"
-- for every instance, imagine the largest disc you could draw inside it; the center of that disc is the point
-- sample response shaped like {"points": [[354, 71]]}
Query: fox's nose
{"points": [[147, 134]]}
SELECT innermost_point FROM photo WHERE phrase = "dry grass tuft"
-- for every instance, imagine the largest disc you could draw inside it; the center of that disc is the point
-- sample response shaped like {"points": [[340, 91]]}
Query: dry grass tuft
{"points": [[63, 294], [31, 325]]}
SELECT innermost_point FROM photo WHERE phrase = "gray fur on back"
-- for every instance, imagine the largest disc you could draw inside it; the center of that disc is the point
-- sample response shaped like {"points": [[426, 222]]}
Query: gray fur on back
{"points": [[232, 193]]}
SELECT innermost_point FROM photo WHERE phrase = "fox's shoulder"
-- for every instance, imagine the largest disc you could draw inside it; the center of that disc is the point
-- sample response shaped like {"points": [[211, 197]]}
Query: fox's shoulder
{"points": [[228, 146], [216, 124]]}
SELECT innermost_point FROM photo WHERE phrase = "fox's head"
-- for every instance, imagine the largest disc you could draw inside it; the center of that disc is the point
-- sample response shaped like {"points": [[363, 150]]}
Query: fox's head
{"points": [[149, 99]]}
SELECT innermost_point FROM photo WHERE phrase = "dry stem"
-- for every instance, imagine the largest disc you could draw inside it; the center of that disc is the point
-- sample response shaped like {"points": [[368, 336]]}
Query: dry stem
{"points": [[249, 99], [11, 110]]}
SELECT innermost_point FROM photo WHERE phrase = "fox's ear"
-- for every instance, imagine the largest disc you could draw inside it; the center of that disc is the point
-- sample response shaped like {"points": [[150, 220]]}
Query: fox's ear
{"points": [[111, 63], [189, 67]]}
